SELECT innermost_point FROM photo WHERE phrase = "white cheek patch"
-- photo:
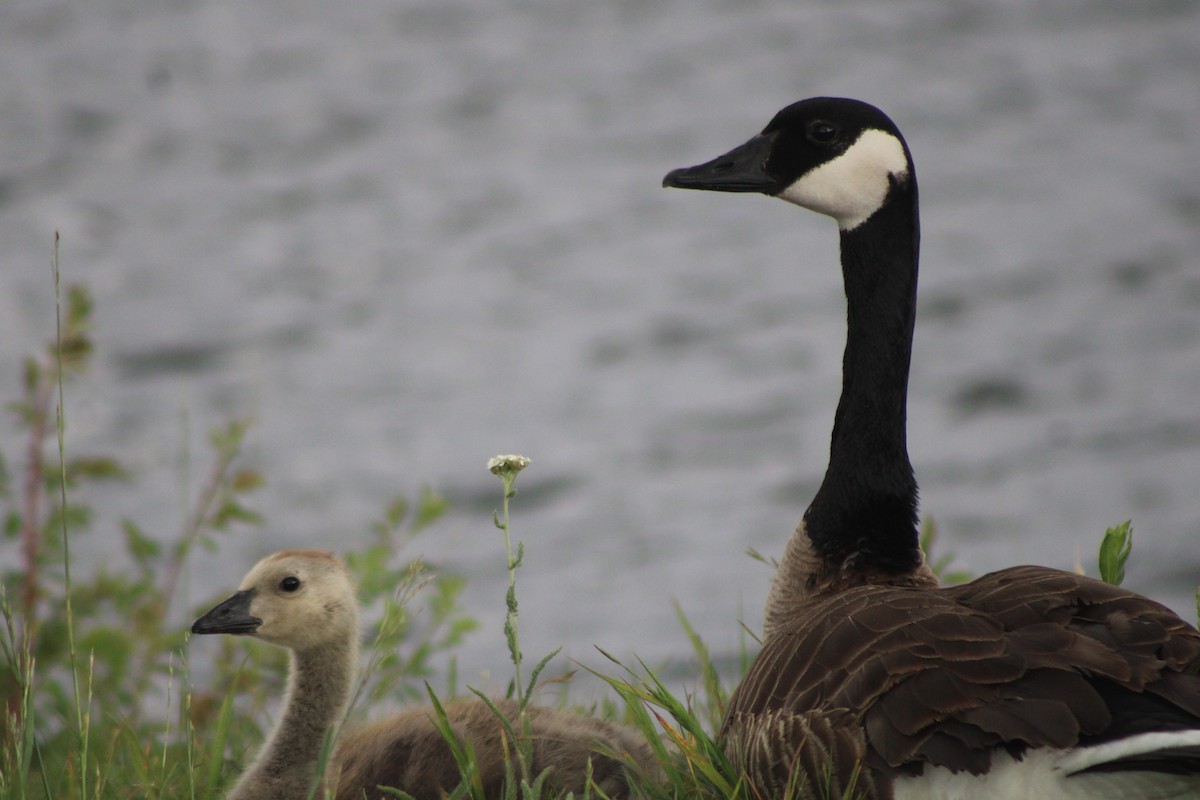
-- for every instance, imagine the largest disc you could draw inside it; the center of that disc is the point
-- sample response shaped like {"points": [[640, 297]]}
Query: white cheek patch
{"points": [[853, 186]]}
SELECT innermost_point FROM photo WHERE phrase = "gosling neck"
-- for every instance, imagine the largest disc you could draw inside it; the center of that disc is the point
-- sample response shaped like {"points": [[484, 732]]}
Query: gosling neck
{"points": [[318, 691]]}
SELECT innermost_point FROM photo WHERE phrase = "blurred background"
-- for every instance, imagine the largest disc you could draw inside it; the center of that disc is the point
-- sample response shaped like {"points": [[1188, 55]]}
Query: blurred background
{"points": [[405, 236]]}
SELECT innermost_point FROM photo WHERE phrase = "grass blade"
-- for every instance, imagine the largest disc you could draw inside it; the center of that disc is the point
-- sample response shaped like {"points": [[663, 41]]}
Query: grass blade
{"points": [[216, 745]]}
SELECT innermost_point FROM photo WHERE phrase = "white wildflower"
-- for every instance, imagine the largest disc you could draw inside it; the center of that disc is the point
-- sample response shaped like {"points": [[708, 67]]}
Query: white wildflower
{"points": [[512, 464]]}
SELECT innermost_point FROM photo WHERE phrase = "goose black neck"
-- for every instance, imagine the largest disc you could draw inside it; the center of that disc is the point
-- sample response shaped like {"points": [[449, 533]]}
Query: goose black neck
{"points": [[865, 514]]}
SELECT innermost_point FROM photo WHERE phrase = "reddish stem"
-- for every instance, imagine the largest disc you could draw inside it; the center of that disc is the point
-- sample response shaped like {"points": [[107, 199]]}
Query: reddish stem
{"points": [[31, 539]]}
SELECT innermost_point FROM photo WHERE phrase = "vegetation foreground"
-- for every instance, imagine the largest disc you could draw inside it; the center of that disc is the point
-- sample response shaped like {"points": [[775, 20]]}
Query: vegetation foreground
{"points": [[98, 693]]}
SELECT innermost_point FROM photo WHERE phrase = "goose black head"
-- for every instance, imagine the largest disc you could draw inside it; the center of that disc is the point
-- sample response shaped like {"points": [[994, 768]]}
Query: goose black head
{"points": [[839, 157]]}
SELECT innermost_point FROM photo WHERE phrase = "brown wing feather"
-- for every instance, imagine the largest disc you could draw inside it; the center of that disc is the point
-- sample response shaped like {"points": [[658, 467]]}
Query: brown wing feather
{"points": [[804, 755], [1024, 657]]}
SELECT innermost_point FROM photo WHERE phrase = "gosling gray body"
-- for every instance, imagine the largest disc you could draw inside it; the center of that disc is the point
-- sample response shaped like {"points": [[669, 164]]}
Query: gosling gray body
{"points": [[304, 600]]}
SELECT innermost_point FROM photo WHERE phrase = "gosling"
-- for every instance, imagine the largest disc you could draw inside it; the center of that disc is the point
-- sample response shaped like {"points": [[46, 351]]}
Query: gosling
{"points": [[304, 600]]}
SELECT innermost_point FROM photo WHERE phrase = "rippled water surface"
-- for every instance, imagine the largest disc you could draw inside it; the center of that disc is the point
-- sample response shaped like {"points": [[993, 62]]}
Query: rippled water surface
{"points": [[407, 236]]}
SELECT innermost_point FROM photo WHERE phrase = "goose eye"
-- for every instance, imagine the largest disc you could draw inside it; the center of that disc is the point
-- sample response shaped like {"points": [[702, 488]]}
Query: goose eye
{"points": [[822, 132], [290, 584]]}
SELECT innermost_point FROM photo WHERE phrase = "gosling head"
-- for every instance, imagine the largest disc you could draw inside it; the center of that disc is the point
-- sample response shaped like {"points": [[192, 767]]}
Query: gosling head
{"points": [[838, 157], [299, 599]]}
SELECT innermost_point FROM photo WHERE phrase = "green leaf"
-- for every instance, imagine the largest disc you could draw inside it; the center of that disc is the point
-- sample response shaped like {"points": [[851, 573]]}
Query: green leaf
{"points": [[228, 440], [463, 751], [95, 468], [511, 637], [12, 525], [5, 483], [1114, 552], [113, 647], [537, 671], [431, 508], [393, 516], [141, 547], [232, 511], [79, 307], [76, 350], [31, 376], [216, 750], [712, 681]]}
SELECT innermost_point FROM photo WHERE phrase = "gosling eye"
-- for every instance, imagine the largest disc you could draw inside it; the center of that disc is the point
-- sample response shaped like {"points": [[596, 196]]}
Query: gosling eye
{"points": [[822, 132], [290, 584]]}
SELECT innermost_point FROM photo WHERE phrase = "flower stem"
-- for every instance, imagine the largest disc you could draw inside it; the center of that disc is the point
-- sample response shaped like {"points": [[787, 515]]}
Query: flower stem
{"points": [[511, 625], [507, 468]]}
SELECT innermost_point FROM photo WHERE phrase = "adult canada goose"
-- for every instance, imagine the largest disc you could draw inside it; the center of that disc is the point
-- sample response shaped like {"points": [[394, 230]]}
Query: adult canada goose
{"points": [[1025, 683], [304, 600]]}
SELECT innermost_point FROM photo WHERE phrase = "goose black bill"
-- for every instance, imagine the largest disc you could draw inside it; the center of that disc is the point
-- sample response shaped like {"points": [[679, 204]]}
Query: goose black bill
{"points": [[742, 169]]}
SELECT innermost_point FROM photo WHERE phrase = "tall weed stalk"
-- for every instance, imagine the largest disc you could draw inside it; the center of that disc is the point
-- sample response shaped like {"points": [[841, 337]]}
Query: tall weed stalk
{"points": [[83, 709]]}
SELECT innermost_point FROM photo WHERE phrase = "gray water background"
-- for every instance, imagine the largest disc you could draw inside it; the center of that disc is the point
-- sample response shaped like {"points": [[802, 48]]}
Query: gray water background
{"points": [[407, 236]]}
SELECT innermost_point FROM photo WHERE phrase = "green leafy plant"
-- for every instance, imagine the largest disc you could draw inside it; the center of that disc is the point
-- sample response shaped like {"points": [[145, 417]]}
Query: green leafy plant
{"points": [[693, 761], [520, 782], [96, 690], [1115, 549], [402, 648], [507, 467], [941, 565], [518, 730], [83, 656]]}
